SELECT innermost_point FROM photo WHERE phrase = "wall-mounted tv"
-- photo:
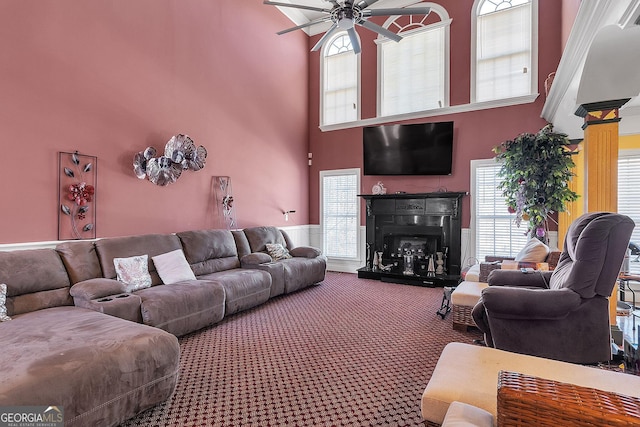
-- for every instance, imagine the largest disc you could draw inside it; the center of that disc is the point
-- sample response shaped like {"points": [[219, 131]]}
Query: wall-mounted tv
{"points": [[415, 149]]}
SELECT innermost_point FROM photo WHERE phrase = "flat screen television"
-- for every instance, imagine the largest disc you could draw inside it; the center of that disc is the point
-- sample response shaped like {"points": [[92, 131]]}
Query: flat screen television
{"points": [[415, 149]]}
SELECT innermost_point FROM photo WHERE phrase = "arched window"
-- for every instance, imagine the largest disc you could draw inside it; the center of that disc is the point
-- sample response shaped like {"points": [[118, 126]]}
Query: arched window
{"points": [[413, 74], [340, 76], [504, 49]]}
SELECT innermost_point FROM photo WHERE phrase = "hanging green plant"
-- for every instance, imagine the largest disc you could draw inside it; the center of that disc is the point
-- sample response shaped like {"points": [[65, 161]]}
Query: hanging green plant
{"points": [[535, 172]]}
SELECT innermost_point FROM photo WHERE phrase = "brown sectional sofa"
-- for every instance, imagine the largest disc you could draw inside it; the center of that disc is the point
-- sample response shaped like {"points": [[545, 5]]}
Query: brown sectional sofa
{"points": [[78, 340]]}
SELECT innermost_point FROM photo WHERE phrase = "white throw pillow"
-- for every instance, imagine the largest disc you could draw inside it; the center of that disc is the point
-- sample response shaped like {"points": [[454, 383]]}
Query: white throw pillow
{"points": [[533, 251], [133, 272], [3, 301], [173, 267], [277, 251]]}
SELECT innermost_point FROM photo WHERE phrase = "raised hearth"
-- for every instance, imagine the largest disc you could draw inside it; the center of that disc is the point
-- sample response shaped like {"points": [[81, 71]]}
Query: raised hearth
{"points": [[413, 238]]}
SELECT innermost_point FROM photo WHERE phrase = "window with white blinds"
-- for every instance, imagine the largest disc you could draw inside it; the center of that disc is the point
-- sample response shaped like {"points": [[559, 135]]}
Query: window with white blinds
{"points": [[412, 72], [504, 49], [340, 212], [495, 232], [629, 195], [340, 77]]}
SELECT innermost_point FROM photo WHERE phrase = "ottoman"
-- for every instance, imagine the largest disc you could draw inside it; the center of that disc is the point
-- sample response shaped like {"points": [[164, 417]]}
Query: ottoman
{"points": [[463, 299], [469, 374]]}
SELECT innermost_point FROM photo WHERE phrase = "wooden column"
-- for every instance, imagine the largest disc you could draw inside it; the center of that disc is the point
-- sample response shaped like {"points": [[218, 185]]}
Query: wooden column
{"points": [[576, 208], [600, 147]]}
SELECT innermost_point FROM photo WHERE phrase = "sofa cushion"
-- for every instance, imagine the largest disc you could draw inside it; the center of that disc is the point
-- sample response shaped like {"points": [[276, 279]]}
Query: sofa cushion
{"points": [[533, 251], [173, 267], [3, 302], [209, 251], [101, 369], [80, 259], [277, 251], [133, 272], [35, 279], [303, 272], [258, 237], [184, 307], [123, 247], [244, 288]]}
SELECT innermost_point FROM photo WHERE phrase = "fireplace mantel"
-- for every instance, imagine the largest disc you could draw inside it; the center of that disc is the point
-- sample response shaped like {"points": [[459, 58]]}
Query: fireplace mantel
{"points": [[420, 224]]}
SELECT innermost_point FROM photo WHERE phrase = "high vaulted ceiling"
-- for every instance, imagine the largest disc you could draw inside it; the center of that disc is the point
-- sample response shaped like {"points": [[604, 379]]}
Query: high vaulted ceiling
{"points": [[561, 104]]}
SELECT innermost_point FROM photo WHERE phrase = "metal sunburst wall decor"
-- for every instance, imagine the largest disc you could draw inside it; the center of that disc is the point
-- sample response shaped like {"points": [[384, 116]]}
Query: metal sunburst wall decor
{"points": [[180, 153]]}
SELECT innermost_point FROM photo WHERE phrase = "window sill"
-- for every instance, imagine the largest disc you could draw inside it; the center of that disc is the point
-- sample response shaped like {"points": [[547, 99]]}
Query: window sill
{"points": [[463, 108]]}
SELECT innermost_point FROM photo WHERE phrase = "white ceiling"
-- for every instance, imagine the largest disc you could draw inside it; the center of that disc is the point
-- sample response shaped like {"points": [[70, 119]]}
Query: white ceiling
{"points": [[300, 16]]}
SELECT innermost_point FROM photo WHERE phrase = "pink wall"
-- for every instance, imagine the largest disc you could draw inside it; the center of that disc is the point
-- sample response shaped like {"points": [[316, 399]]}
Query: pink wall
{"points": [[569, 13], [475, 133], [110, 78]]}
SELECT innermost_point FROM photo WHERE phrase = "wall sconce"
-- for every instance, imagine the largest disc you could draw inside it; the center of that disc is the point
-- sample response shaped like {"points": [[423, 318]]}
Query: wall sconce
{"points": [[310, 158], [286, 214]]}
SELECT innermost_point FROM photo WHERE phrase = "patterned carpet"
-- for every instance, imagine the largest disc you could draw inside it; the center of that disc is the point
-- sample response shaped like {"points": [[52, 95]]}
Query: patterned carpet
{"points": [[349, 352]]}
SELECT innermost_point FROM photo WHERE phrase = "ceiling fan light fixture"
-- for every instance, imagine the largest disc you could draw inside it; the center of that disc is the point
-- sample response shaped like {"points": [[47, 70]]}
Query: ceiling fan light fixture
{"points": [[345, 23], [345, 15]]}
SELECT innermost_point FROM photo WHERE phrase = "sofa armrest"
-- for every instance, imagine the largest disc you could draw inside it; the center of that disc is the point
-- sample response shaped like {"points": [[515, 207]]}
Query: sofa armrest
{"points": [[529, 304], [535, 279], [305, 252], [254, 259], [96, 288]]}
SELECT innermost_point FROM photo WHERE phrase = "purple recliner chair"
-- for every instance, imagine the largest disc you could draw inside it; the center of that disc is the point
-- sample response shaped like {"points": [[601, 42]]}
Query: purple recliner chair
{"points": [[564, 314]]}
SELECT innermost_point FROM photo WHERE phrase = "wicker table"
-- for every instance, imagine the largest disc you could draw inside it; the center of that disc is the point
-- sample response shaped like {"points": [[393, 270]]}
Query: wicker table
{"points": [[525, 400]]}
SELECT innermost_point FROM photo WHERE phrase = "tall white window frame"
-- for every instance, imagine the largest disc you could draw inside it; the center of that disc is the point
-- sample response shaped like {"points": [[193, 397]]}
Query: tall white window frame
{"points": [[339, 81], [415, 98], [340, 213], [482, 12], [629, 195], [493, 229]]}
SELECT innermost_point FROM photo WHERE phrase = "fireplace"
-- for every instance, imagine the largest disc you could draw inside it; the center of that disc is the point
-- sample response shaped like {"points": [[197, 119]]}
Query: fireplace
{"points": [[413, 238]]}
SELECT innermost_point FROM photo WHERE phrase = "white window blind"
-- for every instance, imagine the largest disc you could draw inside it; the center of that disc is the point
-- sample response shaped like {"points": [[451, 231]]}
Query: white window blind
{"points": [[629, 195], [340, 214], [495, 230], [340, 82], [413, 72], [503, 51]]}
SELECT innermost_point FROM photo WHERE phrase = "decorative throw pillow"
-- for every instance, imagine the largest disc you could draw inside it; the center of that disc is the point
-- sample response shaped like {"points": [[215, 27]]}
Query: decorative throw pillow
{"points": [[173, 267], [533, 251], [3, 301], [133, 271], [277, 251]]}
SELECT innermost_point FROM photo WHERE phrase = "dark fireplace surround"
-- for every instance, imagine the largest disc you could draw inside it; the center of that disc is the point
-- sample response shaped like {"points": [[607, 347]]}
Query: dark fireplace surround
{"points": [[418, 224]]}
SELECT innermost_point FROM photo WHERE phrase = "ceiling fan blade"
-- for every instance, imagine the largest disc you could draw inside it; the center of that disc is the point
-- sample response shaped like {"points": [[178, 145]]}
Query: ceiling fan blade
{"points": [[308, 24], [296, 6], [380, 30], [354, 40], [397, 11], [324, 38], [365, 3]]}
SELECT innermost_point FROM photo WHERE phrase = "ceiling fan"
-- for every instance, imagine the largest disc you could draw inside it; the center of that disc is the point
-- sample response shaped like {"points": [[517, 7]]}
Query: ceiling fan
{"points": [[346, 14]]}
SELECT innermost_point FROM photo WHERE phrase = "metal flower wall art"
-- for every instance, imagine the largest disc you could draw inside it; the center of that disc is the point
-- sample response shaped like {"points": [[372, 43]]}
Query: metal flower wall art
{"points": [[180, 154], [76, 193]]}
